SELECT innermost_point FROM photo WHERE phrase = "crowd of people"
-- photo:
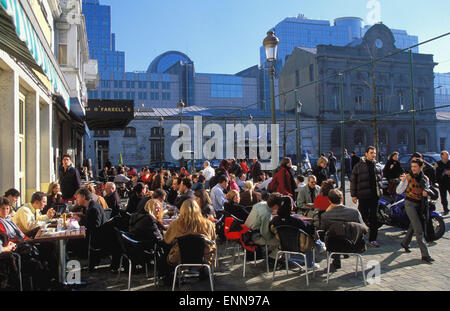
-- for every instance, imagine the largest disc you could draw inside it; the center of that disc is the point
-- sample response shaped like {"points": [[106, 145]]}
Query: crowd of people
{"points": [[159, 206]]}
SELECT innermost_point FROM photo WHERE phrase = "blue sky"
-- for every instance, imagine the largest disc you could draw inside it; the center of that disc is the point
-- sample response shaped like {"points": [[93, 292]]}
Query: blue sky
{"points": [[224, 36]]}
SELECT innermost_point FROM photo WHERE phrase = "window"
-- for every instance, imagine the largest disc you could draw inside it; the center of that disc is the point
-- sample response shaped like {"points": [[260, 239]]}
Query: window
{"points": [[297, 78], [154, 96], [101, 133], [130, 95], [421, 102], [165, 96], [105, 83], [142, 84], [403, 137], [154, 85], [335, 99], [142, 95], [311, 72], [401, 101], [118, 84], [130, 132], [165, 85], [380, 102], [63, 54], [157, 150], [442, 143], [130, 85], [157, 131]]}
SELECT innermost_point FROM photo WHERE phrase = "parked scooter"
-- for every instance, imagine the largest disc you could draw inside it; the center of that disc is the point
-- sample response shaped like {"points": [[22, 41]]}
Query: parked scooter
{"points": [[391, 212]]}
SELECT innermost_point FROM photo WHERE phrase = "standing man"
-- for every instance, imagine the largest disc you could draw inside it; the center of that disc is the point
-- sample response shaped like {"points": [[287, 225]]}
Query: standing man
{"points": [[332, 167], [365, 188], [208, 172], [443, 178], [347, 164], [69, 179], [255, 170]]}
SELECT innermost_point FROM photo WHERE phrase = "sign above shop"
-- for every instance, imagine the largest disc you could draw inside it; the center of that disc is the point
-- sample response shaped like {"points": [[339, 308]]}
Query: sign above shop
{"points": [[109, 114]]}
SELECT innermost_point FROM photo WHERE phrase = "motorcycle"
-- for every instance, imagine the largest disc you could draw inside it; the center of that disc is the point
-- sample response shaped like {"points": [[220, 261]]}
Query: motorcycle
{"points": [[391, 212]]}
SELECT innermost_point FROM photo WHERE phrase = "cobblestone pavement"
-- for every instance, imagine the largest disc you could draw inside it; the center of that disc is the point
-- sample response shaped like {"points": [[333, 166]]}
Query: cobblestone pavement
{"points": [[399, 271]]}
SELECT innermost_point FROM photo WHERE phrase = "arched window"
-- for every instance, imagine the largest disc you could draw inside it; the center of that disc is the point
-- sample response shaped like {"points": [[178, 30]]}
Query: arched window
{"points": [[423, 140], [157, 131], [383, 137], [335, 99], [403, 137], [336, 138], [360, 137], [130, 132]]}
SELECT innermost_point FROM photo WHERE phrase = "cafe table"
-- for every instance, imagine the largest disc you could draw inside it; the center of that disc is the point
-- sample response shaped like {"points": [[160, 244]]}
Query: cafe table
{"points": [[61, 237]]}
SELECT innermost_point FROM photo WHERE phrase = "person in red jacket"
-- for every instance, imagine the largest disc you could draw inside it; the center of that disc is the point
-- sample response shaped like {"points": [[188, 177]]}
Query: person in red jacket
{"points": [[244, 167], [283, 182]]}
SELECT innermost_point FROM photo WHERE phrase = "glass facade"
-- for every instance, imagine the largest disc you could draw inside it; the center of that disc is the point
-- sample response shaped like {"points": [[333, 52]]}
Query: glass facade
{"points": [[442, 90]]}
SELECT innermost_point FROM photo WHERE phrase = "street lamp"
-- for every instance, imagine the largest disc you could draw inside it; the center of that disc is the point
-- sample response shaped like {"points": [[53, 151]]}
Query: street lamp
{"points": [[298, 110], [271, 44], [161, 119], [181, 106]]}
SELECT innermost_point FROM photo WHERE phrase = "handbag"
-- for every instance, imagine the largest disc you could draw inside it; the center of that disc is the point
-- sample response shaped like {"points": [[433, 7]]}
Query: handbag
{"points": [[306, 242]]}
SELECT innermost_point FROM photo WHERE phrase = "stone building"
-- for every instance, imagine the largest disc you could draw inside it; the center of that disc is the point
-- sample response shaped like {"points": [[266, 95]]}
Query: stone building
{"points": [[383, 87]]}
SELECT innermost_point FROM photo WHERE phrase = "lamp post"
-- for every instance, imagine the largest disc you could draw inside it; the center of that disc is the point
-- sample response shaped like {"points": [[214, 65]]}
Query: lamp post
{"points": [[181, 106], [271, 44], [161, 119], [298, 110]]}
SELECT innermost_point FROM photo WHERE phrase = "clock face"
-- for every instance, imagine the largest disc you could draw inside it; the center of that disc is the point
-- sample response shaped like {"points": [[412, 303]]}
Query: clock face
{"points": [[378, 43]]}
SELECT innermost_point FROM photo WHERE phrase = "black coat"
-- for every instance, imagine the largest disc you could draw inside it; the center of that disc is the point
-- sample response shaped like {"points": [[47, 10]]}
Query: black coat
{"points": [[355, 160], [442, 178], [133, 203], [94, 217], [291, 221], [392, 173], [70, 182], [185, 196], [143, 227], [332, 164], [361, 185], [321, 174], [236, 169], [113, 201], [235, 210], [255, 171]]}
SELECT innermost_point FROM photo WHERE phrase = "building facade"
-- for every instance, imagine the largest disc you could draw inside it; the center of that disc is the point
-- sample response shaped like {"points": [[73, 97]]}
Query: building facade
{"points": [[303, 32], [383, 87], [34, 89]]}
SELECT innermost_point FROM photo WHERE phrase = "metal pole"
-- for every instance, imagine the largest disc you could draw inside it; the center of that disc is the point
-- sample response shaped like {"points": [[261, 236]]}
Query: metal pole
{"points": [[160, 145], [181, 159], [297, 132], [341, 107], [413, 105], [272, 92]]}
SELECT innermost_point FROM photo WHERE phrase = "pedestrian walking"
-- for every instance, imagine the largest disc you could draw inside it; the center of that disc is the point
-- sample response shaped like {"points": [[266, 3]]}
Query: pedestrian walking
{"points": [[332, 168], [392, 171], [416, 185], [443, 178]]}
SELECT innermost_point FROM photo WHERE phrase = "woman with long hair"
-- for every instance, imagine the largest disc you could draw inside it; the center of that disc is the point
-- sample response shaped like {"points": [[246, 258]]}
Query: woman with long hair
{"points": [[321, 171], [233, 184], [147, 225], [283, 182], [54, 196], [190, 221], [250, 197], [204, 201]]}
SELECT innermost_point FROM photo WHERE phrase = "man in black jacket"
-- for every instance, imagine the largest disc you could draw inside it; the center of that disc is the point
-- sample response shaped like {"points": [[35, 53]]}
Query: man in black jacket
{"points": [[112, 198], [185, 192], [69, 179], [236, 169], [255, 170], [365, 187], [332, 168], [443, 178]]}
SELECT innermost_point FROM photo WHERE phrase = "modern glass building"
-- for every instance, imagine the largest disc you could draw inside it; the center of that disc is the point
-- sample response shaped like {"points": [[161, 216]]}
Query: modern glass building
{"points": [[442, 90], [170, 77], [303, 32]]}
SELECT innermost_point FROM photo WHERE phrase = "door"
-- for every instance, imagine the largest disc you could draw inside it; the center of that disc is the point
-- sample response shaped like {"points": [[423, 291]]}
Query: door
{"points": [[102, 153]]}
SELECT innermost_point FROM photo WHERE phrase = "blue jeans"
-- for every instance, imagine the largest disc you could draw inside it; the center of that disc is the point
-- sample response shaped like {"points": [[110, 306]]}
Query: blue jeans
{"points": [[309, 255], [336, 179]]}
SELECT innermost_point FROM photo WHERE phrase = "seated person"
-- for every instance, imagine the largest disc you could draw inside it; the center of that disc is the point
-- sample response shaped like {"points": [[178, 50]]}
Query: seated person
{"points": [[306, 197], [263, 182], [258, 221], [337, 212], [203, 200], [190, 221], [241, 182], [147, 225], [173, 191], [112, 198], [29, 218], [139, 192], [300, 182], [321, 202], [54, 196], [99, 199], [185, 192], [250, 197], [233, 207], [198, 182], [13, 196], [284, 218], [14, 236]]}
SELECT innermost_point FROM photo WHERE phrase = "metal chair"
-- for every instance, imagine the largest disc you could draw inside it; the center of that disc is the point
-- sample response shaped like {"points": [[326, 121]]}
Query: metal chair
{"points": [[192, 256], [233, 237], [254, 254], [346, 245], [133, 251], [19, 264], [290, 245]]}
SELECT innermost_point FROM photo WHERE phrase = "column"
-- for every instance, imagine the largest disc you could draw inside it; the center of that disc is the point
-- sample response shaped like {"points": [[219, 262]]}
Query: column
{"points": [[47, 174], [32, 145]]}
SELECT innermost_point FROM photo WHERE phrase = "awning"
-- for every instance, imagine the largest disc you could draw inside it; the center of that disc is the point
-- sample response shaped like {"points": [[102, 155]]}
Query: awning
{"points": [[28, 37], [109, 114]]}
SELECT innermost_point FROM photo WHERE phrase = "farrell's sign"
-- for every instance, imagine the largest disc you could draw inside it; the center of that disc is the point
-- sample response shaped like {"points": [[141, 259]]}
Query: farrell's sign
{"points": [[109, 114]]}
